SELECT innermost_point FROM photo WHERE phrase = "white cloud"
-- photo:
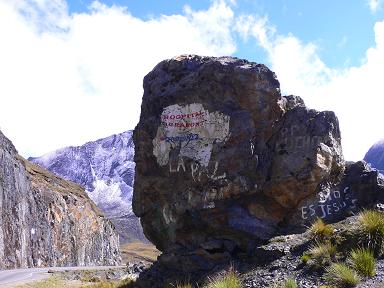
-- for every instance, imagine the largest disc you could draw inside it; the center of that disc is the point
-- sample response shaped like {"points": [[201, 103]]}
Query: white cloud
{"points": [[354, 93], [374, 5], [67, 79]]}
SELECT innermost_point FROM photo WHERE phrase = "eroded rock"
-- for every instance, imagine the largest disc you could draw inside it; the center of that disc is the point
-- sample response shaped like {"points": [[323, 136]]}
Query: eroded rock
{"points": [[47, 221], [224, 162]]}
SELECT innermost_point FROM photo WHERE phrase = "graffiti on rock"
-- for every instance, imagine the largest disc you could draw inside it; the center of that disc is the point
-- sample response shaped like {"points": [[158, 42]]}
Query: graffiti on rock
{"points": [[329, 204], [196, 170], [192, 132], [291, 139], [183, 138]]}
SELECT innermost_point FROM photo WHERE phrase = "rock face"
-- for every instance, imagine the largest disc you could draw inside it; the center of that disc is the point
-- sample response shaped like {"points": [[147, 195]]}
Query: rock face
{"points": [[105, 168], [47, 221], [224, 162], [375, 156]]}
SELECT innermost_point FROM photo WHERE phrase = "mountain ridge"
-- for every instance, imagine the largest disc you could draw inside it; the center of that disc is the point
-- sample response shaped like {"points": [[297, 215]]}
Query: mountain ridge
{"points": [[375, 156], [48, 221], [105, 167]]}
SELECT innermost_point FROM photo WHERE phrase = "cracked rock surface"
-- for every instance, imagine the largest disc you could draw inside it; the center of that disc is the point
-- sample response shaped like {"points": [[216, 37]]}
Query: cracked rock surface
{"points": [[224, 162], [47, 221]]}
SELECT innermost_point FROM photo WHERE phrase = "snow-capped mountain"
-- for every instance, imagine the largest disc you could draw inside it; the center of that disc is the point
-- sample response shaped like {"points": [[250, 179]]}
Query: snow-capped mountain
{"points": [[375, 156], [105, 168]]}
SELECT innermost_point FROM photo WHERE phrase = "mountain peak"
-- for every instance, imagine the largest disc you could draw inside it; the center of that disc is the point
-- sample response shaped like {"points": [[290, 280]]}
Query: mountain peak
{"points": [[105, 167], [375, 156]]}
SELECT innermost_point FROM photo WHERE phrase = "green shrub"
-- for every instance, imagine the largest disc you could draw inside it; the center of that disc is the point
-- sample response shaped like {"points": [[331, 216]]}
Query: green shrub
{"points": [[305, 258], [371, 229], [229, 280], [363, 261], [320, 230], [341, 275]]}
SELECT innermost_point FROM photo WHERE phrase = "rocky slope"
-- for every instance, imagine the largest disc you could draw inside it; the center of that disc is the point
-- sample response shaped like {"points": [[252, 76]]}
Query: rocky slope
{"points": [[105, 168], [375, 156], [224, 162], [47, 221]]}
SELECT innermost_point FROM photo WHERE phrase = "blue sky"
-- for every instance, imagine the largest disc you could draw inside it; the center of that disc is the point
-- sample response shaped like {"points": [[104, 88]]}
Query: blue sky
{"points": [[342, 29], [75, 67]]}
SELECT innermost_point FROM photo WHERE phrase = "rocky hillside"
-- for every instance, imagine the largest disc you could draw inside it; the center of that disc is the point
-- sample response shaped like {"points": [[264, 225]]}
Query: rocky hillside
{"points": [[48, 221], [375, 156], [305, 260], [105, 167], [224, 162]]}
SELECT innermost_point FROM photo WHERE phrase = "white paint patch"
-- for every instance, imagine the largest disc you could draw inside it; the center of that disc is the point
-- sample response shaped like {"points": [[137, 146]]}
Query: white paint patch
{"points": [[193, 130]]}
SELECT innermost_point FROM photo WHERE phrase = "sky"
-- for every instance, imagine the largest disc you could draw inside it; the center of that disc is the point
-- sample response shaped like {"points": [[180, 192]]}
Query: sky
{"points": [[71, 70]]}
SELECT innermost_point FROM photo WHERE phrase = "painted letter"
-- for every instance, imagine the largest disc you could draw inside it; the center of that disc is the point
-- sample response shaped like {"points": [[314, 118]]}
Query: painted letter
{"points": [[303, 213], [194, 169], [323, 210], [180, 164], [313, 212], [336, 207]]}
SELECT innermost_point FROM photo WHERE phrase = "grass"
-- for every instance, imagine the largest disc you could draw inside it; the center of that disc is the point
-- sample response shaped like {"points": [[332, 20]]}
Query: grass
{"points": [[51, 282], [290, 283], [305, 258], [363, 261], [371, 230], [322, 250], [320, 230], [110, 284], [229, 280], [184, 285], [60, 282], [138, 251], [321, 254], [341, 275]]}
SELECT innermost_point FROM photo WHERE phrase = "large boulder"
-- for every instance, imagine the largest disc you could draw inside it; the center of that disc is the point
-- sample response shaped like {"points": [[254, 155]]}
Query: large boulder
{"points": [[224, 162]]}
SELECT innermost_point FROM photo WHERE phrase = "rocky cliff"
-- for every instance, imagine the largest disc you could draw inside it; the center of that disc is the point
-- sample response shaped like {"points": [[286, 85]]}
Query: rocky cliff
{"points": [[375, 156], [225, 162], [47, 221], [105, 168]]}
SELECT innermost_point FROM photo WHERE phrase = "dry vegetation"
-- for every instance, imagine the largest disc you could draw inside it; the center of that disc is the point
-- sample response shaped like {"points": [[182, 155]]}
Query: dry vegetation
{"points": [[59, 282], [346, 264], [53, 282], [138, 251], [55, 183]]}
